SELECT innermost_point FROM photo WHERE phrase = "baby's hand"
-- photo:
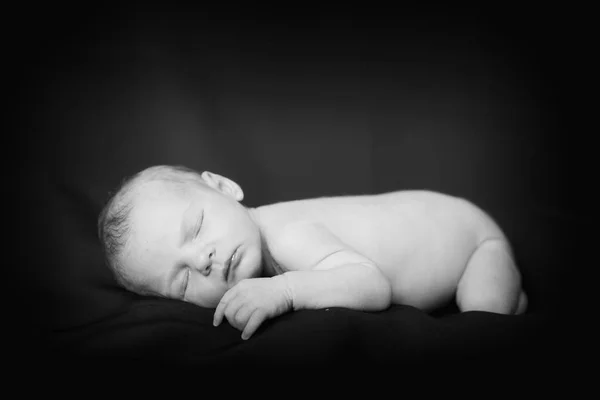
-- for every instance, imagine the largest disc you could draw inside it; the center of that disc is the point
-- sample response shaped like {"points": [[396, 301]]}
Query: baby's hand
{"points": [[249, 303]]}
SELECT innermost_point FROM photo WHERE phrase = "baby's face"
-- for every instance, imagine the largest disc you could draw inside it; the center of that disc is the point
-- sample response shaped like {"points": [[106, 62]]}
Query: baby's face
{"points": [[190, 245]]}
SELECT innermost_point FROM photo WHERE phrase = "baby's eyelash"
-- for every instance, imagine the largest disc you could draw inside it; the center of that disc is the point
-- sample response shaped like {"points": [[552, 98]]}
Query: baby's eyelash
{"points": [[199, 224], [188, 273]]}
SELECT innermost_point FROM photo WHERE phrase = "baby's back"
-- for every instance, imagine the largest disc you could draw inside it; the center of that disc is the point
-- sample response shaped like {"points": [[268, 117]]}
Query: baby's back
{"points": [[420, 240]]}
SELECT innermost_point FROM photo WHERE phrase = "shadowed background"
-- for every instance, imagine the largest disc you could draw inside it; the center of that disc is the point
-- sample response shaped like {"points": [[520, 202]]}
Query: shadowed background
{"points": [[465, 103]]}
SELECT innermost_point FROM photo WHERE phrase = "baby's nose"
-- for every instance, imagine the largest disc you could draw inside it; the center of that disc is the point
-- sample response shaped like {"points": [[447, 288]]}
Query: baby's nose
{"points": [[205, 260]]}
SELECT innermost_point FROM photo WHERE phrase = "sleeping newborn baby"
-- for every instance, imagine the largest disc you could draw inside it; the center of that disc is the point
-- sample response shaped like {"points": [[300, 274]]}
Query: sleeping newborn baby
{"points": [[172, 232]]}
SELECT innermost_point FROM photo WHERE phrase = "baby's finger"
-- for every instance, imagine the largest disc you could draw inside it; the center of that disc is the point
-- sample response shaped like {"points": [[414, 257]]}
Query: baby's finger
{"points": [[256, 319], [218, 316], [237, 310], [221, 307], [239, 314]]}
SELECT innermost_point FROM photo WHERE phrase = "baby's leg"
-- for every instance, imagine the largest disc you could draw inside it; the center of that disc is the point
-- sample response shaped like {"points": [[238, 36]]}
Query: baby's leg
{"points": [[491, 281]]}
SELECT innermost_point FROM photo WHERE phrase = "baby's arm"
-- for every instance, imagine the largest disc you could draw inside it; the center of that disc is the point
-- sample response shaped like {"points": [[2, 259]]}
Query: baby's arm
{"points": [[321, 272], [358, 286], [324, 272]]}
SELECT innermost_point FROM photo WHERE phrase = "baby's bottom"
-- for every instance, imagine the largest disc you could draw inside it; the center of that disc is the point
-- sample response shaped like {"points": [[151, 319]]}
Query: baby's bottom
{"points": [[491, 281]]}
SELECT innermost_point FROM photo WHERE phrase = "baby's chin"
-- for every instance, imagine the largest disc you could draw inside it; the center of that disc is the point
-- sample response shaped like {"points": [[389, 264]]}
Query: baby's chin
{"points": [[250, 266], [248, 272]]}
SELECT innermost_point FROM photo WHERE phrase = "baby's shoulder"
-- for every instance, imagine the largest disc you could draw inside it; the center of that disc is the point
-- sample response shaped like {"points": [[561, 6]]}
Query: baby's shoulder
{"points": [[301, 245]]}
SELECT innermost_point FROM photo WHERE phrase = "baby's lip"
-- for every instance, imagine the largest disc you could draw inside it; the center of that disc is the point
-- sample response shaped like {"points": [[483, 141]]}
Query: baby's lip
{"points": [[229, 264]]}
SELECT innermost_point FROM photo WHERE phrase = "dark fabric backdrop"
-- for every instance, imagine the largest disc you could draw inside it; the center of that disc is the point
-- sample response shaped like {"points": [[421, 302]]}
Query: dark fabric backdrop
{"points": [[319, 103]]}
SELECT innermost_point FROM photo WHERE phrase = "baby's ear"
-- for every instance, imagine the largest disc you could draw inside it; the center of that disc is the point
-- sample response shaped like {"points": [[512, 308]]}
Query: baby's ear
{"points": [[223, 185]]}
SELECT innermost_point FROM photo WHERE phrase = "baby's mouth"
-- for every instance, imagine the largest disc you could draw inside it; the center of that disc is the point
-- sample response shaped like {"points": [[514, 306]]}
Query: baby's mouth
{"points": [[231, 263]]}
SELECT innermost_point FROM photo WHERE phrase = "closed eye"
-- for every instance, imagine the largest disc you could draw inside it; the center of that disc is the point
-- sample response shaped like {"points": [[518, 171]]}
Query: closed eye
{"points": [[199, 225], [186, 282]]}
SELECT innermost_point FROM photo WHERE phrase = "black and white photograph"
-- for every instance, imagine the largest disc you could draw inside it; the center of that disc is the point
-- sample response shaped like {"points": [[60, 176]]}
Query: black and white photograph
{"points": [[299, 189]]}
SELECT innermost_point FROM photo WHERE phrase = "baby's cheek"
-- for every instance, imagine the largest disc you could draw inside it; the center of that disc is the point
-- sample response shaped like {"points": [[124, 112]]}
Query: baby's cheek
{"points": [[215, 296], [208, 297]]}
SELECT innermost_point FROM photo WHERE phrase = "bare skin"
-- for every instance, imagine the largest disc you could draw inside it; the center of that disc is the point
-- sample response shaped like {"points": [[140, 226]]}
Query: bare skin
{"points": [[417, 248]]}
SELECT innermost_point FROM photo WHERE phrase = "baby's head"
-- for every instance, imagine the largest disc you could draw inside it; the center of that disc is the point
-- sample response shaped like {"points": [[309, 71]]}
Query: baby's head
{"points": [[172, 232]]}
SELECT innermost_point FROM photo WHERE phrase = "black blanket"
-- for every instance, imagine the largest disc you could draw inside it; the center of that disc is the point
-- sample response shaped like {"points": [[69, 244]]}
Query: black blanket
{"points": [[290, 110]]}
